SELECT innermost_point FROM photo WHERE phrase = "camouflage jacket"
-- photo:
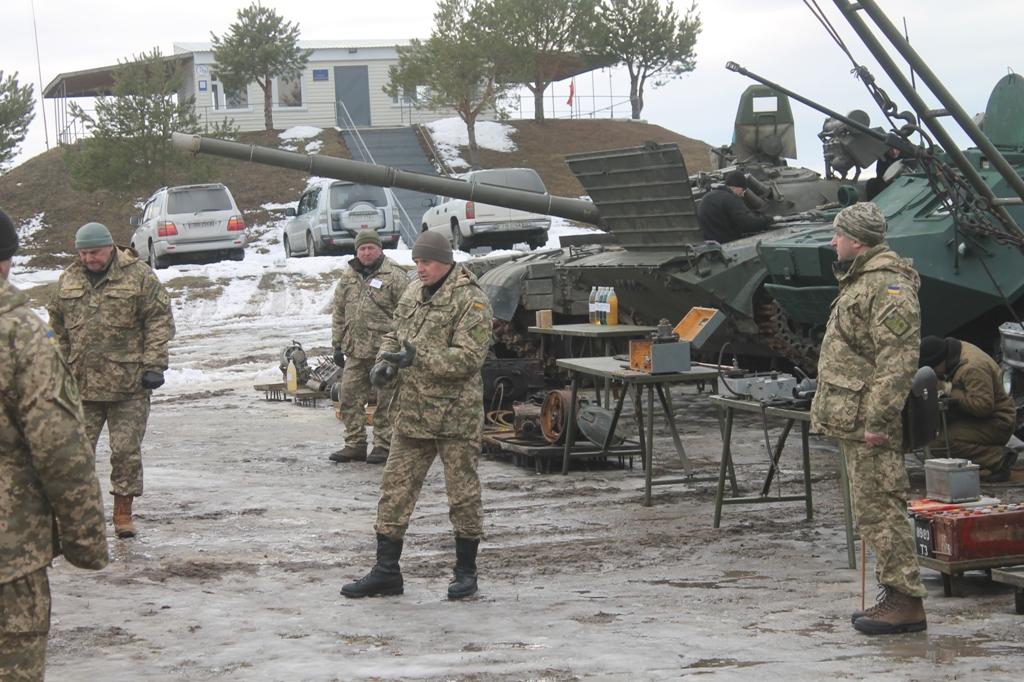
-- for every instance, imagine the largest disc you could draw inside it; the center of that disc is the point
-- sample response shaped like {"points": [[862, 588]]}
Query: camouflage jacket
{"points": [[977, 390], [50, 500], [869, 354], [115, 330], [441, 394], [364, 307]]}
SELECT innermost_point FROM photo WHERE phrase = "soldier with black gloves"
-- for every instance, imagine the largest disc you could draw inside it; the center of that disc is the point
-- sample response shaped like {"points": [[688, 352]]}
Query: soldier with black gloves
{"points": [[113, 320], [364, 303]]}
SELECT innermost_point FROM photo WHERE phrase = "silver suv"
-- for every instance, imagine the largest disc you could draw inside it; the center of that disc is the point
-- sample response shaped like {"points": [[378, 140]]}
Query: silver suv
{"points": [[331, 213], [187, 222]]}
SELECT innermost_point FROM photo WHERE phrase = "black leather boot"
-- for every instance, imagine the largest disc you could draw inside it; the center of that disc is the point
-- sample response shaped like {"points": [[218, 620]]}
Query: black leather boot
{"points": [[464, 582], [385, 578]]}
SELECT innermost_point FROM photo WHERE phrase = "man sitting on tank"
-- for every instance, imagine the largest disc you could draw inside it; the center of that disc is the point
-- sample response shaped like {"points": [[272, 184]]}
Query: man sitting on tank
{"points": [[980, 415], [722, 215]]}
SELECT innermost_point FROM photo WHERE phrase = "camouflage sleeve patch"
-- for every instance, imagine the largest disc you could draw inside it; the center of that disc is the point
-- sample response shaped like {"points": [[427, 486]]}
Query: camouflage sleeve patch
{"points": [[896, 323]]}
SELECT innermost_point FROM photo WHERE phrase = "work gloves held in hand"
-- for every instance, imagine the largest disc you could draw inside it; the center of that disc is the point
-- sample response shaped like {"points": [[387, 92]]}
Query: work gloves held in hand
{"points": [[385, 371], [339, 358], [151, 379]]}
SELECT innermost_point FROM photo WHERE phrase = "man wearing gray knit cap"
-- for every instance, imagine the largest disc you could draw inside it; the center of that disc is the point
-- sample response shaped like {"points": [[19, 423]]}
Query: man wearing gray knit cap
{"points": [[434, 355], [112, 318], [363, 312], [867, 362]]}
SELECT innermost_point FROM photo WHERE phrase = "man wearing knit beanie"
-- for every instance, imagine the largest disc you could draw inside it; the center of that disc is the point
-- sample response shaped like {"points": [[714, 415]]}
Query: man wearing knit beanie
{"points": [[980, 417], [113, 320], [866, 365], [441, 337], [722, 214], [51, 499], [363, 311]]}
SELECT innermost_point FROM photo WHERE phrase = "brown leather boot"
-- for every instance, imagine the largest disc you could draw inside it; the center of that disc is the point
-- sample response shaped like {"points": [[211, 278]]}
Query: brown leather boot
{"points": [[350, 453], [123, 525], [895, 612]]}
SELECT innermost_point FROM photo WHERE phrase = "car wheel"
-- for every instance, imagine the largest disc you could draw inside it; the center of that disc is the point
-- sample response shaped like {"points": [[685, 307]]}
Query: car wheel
{"points": [[459, 243], [287, 248], [155, 261], [238, 254], [311, 247]]}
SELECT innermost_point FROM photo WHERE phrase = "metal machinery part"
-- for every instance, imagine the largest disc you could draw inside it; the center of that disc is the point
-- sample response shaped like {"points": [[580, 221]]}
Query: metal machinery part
{"points": [[555, 414], [297, 356], [526, 421], [594, 422]]}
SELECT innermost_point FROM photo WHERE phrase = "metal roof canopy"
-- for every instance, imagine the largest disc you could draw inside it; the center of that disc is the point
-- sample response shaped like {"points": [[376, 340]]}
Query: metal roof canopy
{"points": [[642, 194], [93, 82]]}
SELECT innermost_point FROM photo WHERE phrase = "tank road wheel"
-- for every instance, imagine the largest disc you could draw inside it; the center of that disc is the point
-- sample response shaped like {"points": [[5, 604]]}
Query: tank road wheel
{"points": [[311, 248]]}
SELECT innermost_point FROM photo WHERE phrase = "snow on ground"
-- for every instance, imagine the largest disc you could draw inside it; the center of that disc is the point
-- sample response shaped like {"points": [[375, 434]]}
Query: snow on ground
{"points": [[450, 133], [300, 133], [266, 297]]}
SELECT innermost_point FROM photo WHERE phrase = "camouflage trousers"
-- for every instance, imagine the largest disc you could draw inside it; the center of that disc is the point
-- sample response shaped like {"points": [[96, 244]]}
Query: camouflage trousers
{"points": [[407, 466], [982, 441], [24, 624], [126, 427], [356, 391], [878, 490]]}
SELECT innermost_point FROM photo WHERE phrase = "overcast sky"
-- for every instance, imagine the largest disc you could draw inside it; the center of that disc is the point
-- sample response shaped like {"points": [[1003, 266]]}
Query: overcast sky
{"points": [[970, 45]]}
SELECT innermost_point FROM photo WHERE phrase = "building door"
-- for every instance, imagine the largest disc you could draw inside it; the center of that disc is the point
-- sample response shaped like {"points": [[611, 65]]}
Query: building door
{"points": [[352, 88]]}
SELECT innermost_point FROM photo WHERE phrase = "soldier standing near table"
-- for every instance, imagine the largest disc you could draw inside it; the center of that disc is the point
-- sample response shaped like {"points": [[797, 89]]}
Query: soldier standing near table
{"points": [[443, 326], [364, 305], [113, 320], [50, 501], [865, 369]]}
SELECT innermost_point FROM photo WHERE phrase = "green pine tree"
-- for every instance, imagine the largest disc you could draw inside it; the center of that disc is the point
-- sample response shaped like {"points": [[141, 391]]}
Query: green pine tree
{"points": [[453, 69], [129, 143], [652, 41], [16, 113], [259, 47]]}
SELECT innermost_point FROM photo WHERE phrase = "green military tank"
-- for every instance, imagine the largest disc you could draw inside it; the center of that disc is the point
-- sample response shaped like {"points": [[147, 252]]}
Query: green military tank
{"points": [[651, 251], [955, 213]]}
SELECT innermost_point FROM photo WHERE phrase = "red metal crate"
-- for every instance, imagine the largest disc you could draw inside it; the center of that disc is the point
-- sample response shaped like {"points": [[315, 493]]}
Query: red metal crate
{"points": [[978, 533]]}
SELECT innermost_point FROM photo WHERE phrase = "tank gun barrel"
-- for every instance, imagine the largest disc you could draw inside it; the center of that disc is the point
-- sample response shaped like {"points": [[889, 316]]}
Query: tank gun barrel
{"points": [[387, 176]]}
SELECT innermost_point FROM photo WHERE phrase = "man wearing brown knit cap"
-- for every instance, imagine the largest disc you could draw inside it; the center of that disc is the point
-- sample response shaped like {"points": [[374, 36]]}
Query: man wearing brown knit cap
{"points": [[434, 355], [364, 305], [867, 362]]}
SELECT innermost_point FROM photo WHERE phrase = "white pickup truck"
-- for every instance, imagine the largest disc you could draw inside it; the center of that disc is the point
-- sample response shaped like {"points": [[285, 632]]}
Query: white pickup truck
{"points": [[469, 223]]}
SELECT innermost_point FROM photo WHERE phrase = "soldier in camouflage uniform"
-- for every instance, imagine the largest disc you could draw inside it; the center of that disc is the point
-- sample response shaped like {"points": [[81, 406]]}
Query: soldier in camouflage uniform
{"points": [[981, 417], [865, 369], [443, 326], [50, 500], [113, 321], [364, 305]]}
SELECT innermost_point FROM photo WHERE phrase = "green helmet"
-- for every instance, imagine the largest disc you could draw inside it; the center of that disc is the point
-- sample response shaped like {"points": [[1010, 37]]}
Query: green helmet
{"points": [[93, 235]]}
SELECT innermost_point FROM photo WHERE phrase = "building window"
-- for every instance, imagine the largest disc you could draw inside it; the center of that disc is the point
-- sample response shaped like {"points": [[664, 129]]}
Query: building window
{"points": [[320, 74], [289, 92], [237, 99], [408, 96]]}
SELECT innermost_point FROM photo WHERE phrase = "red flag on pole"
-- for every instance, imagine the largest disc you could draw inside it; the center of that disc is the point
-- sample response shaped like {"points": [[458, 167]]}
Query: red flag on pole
{"points": [[572, 91]]}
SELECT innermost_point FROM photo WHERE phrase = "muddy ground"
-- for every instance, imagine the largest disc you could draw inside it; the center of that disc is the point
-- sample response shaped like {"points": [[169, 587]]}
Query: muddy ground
{"points": [[247, 532]]}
